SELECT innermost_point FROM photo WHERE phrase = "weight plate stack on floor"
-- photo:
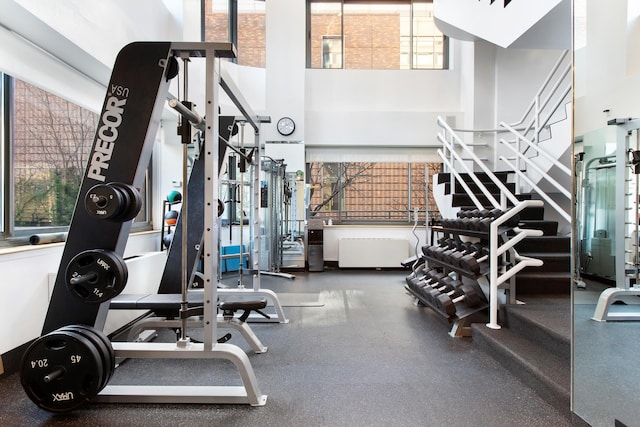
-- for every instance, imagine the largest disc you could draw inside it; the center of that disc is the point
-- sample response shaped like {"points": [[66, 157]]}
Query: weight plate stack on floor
{"points": [[65, 368]]}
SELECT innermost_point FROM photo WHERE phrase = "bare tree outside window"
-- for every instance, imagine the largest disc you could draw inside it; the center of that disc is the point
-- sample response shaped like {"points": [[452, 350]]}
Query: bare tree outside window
{"points": [[52, 140], [369, 191]]}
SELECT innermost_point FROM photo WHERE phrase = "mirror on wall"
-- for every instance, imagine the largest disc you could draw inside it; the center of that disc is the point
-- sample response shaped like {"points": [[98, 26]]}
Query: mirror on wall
{"points": [[606, 291]]}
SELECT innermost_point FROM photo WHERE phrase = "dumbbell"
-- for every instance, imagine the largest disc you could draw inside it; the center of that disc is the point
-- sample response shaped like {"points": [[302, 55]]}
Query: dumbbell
{"points": [[433, 276], [429, 275], [452, 289], [467, 213], [466, 293], [495, 214], [433, 251], [444, 284], [453, 245], [416, 274], [414, 283], [469, 249], [472, 262], [415, 278], [434, 281], [443, 253]]}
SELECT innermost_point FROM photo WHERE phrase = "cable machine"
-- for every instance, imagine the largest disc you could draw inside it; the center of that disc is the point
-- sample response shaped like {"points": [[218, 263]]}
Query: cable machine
{"points": [[625, 209]]}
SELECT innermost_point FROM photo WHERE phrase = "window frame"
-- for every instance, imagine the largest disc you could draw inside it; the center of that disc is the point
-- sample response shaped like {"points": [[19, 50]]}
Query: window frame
{"points": [[424, 200], [9, 234], [412, 39]]}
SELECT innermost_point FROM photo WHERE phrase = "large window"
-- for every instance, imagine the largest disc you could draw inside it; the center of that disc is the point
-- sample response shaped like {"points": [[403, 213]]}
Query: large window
{"points": [[51, 143], [46, 142], [360, 34], [370, 191], [242, 22]]}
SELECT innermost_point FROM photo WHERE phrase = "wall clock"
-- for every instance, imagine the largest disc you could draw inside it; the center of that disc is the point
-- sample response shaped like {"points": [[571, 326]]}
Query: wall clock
{"points": [[286, 126]]}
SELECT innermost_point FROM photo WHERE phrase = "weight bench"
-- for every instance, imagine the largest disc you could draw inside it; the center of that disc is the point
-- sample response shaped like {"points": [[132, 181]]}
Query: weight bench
{"points": [[166, 309]]}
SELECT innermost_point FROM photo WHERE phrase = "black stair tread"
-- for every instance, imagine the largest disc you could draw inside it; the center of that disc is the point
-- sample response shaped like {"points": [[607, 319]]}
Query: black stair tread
{"points": [[463, 199], [541, 243], [501, 175], [545, 254], [537, 221], [532, 213], [545, 274], [546, 373]]}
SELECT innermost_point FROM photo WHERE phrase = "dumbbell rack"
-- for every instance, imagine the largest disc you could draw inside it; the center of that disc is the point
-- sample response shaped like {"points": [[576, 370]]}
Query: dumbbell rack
{"points": [[121, 151], [459, 320], [496, 277]]}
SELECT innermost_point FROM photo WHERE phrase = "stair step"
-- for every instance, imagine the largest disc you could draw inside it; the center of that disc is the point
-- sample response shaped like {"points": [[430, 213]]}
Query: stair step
{"points": [[553, 261], [544, 372], [462, 199], [532, 213], [491, 187], [545, 320], [549, 228], [543, 282], [482, 176], [543, 243]]}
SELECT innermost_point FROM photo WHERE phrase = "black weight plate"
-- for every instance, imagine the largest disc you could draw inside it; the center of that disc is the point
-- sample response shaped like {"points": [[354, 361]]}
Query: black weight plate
{"points": [[96, 275], [61, 370], [104, 201], [103, 345], [134, 201]]}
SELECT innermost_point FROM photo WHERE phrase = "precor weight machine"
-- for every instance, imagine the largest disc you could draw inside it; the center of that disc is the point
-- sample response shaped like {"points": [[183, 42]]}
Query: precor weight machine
{"points": [[72, 362]]}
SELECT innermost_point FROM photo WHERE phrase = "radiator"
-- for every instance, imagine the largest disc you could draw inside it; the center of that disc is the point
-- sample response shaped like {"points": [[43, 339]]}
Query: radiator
{"points": [[372, 252]]}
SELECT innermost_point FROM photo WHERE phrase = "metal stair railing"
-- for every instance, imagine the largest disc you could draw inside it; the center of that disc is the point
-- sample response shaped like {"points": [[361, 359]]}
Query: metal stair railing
{"points": [[529, 162], [496, 250], [450, 140], [537, 116]]}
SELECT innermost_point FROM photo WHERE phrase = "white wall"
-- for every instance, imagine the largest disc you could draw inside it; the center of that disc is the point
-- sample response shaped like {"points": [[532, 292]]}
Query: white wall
{"points": [[104, 27], [614, 83], [378, 108], [285, 67], [25, 287]]}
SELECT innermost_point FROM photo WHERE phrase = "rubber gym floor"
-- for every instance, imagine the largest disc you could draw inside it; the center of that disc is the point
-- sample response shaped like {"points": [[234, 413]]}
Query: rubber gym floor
{"points": [[356, 352]]}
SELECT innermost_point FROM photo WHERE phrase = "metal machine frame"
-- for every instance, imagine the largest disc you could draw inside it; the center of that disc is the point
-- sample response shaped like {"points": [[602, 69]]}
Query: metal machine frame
{"points": [[626, 202]]}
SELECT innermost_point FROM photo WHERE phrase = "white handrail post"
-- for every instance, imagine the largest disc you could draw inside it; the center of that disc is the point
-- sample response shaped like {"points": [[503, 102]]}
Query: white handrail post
{"points": [[536, 135], [493, 276], [519, 148], [452, 180]]}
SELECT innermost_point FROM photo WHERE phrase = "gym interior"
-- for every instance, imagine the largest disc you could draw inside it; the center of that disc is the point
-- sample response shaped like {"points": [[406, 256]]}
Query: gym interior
{"points": [[338, 212]]}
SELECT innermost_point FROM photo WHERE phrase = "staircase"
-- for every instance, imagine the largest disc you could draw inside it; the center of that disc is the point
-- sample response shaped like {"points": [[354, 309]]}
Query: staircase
{"points": [[534, 343], [555, 251]]}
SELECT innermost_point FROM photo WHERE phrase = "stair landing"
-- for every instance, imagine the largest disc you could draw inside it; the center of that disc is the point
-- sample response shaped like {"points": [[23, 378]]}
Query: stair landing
{"points": [[534, 344]]}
